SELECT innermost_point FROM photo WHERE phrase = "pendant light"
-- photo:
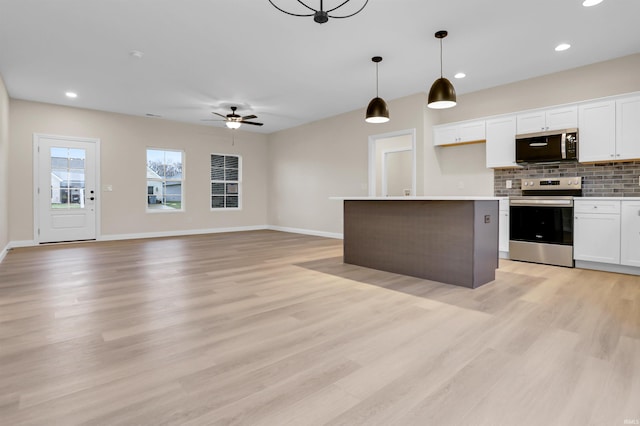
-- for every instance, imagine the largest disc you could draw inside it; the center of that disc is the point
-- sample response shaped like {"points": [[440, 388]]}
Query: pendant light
{"points": [[442, 94], [377, 111]]}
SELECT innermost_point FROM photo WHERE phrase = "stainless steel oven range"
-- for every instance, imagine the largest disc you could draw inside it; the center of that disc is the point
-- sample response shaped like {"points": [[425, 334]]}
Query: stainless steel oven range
{"points": [[541, 221]]}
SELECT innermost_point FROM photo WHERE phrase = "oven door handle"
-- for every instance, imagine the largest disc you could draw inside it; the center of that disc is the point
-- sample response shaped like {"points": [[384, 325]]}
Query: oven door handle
{"points": [[546, 203]]}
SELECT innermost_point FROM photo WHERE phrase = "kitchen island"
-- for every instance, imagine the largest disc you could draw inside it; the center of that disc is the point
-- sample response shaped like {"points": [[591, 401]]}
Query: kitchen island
{"points": [[452, 240]]}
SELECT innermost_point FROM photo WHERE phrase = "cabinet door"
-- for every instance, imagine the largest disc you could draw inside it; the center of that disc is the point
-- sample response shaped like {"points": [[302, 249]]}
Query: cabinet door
{"points": [[597, 131], [596, 237], [503, 231], [501, 142], [472, 131], [628, 128], [531, 122], [630, 234], [562, 118], [445, 135]]}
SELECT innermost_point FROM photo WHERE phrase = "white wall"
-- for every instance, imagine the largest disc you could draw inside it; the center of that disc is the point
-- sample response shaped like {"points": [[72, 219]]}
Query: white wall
{"points": [[124, 140], [4, 168], [312, 162], [614, 77], [327, 158]]}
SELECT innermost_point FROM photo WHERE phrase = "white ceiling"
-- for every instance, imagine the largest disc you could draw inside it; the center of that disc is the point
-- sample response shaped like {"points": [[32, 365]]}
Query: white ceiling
{"points": [[205, 55]]}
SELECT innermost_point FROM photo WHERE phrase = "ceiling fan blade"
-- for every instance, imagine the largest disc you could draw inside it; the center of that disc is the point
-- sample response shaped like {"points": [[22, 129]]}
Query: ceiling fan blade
{"points": [[223, 116], [253, 123], [249, 117], [212, 119]]}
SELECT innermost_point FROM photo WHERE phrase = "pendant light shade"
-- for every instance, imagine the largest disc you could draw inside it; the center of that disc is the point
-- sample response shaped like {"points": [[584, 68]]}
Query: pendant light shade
{"points": [[377, 111], [442, 94]]}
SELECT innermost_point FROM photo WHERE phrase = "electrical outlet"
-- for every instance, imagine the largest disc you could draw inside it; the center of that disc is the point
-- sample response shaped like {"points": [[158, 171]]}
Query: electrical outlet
{"points": [[509, 184]]}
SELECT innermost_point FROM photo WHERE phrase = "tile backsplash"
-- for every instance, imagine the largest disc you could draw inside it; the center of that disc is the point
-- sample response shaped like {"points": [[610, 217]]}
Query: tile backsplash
{"points": [[598, 180]]}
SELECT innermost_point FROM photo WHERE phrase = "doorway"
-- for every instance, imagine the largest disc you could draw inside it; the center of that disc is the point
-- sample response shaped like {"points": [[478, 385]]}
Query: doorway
{"points": [[396, 173], [65, 195], [392, 164]]}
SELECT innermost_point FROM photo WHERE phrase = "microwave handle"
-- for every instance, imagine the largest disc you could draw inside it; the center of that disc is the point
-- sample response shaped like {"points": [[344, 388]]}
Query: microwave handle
{"points": [[563, 146]]}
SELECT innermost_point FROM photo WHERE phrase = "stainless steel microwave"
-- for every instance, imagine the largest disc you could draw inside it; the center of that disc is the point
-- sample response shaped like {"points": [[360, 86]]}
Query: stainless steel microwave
{"points": [[556, 145]]}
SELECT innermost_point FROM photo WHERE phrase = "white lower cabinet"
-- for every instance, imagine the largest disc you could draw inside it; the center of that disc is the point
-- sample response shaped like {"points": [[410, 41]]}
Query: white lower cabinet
{"points": [[503, 213], [630, 233], [596, 227]]}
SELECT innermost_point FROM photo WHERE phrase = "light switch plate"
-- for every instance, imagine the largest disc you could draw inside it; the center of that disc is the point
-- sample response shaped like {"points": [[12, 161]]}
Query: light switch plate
{"points": [[107, 188]]}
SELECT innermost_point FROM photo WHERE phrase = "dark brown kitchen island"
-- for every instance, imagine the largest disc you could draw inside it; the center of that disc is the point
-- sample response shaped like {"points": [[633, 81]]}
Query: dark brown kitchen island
{"points": [[452, 240]]}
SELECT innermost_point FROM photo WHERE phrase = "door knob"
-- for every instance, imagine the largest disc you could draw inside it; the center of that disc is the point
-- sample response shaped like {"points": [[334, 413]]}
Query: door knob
{"points": [[92, 198]]}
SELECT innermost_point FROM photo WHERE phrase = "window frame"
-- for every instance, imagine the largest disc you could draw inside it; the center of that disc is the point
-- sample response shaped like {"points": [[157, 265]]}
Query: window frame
{"points": [[225, 182], [164, 180]]}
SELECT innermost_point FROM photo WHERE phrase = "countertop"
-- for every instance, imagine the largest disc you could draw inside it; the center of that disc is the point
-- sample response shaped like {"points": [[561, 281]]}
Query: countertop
{"points": [[608, 198], [422, 198]]}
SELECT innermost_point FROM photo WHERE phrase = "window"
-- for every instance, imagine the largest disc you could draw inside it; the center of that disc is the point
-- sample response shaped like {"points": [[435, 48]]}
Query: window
{"points": [[225, 181], [165, 178]]}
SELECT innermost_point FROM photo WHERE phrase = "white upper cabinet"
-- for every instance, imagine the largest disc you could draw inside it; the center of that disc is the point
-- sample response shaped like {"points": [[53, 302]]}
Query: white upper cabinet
{"points": [[609, 130], [451, 134], [628, 128], [597, 131], [548, 119], [501, 142]]}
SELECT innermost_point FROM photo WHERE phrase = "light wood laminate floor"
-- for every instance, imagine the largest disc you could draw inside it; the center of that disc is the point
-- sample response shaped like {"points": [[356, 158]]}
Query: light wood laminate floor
{"points": [[270, 328]]}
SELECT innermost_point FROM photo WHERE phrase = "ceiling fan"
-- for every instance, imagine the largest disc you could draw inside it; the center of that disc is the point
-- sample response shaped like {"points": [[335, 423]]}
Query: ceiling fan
{"points": [[234, 121]]}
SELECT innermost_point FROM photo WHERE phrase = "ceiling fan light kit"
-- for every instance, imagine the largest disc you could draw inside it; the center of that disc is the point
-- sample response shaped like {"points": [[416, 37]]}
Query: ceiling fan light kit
{"points": [[234, 121], [442, 93], [377, 110], [321, 16]]}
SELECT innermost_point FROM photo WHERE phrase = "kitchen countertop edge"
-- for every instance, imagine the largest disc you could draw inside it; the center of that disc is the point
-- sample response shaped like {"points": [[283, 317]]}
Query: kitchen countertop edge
{"points": [[422, 198]]}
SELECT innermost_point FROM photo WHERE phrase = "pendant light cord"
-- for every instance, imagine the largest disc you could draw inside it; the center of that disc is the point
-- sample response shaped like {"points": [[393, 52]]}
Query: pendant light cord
{"points": [[440, 58], [377, 80]]}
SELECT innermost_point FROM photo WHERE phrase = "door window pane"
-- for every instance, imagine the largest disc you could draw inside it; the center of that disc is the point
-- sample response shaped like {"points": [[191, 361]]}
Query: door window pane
{"points": [[67, 178]]}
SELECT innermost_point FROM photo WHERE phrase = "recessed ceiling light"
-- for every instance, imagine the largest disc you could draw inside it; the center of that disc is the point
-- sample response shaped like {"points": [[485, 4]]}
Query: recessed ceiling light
{"points": [[460, 75], [589, 3], [136, 54], [562, 46], [72, 95]]}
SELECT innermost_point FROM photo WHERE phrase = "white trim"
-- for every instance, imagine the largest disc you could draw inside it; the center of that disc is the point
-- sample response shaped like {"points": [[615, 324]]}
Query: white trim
{"points": [[3, 253], [179, 233], [306, 232], [36, 177], [608, 267], [372, 157], [22, 243]]}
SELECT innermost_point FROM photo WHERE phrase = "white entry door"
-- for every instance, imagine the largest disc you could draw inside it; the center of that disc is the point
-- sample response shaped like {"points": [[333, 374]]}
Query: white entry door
{"points": [[66, 188]]}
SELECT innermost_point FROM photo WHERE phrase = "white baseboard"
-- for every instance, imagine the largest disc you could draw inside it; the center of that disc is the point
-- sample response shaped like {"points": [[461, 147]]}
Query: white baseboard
{"points": [[115, 237], [3, 252], [306, 232], [608, 267], [23, 243]]}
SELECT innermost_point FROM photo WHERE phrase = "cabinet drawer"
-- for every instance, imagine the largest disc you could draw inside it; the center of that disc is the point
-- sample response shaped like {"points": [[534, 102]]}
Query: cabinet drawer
{"points": [[596, 206]]}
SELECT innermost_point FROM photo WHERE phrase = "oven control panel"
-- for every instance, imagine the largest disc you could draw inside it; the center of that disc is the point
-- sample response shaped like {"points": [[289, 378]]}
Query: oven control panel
{"points": [[552, 184]]}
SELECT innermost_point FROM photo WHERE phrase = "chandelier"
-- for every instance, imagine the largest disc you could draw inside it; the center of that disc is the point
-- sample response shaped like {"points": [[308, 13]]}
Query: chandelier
{"points": [[321, 16]]}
